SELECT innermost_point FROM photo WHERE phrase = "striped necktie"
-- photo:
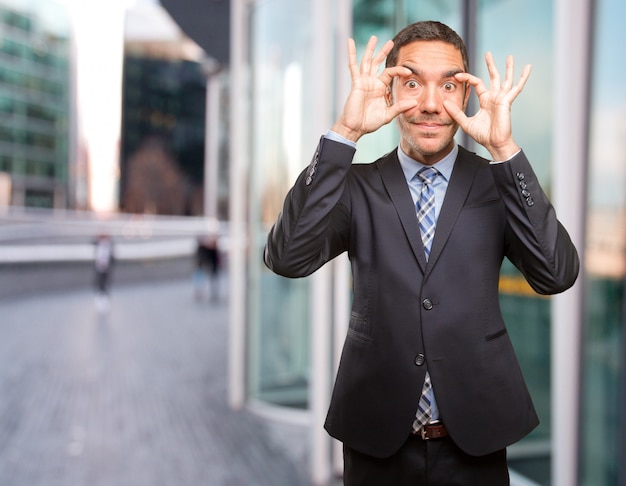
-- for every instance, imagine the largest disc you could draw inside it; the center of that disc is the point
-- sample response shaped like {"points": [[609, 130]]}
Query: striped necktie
{"points": [[426, 220], [426, 207], [424, 412]]}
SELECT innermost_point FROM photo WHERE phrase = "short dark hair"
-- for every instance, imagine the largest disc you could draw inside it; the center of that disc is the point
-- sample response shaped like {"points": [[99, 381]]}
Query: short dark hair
{"points": [[429, 30]]}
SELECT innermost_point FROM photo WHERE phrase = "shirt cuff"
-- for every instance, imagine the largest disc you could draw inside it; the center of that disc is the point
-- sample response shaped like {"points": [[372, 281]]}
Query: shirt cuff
{"points": [[503, 161], [335, 137]]}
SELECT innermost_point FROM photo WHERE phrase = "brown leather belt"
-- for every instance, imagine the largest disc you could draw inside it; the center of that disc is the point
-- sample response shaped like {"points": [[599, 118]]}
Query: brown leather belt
{"points": [[432, 431]]}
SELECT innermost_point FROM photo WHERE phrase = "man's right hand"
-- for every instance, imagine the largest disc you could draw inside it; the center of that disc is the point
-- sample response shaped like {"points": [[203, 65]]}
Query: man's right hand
{"points": [[367, 107]]}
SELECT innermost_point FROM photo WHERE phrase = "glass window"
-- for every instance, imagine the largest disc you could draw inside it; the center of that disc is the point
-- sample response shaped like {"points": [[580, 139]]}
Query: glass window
{"points": [[527, 314], [281, 43], [604, 353], [36, 100]]}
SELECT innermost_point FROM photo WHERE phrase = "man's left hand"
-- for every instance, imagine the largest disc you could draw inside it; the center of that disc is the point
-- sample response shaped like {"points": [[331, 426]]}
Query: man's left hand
{"points": [[491, 125]]}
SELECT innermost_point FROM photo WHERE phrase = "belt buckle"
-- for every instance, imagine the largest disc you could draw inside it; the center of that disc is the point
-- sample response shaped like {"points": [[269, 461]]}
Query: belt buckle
{"points": [[423, 433]]}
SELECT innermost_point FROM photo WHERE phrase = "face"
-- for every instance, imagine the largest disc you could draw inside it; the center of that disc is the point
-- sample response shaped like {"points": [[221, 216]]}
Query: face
{"points": [[427, 130]]}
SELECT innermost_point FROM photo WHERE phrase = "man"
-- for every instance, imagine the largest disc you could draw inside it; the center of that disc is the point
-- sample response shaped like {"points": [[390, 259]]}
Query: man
{"points": [[428, 391], [103, 266]]}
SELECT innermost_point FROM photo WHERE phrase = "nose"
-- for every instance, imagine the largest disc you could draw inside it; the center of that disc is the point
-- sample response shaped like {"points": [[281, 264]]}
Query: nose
{"points": [[430, 100]]}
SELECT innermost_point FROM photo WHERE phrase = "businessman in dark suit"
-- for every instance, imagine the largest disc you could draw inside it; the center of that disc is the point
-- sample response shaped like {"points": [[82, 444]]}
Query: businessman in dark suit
{"points": [[428, 391]]}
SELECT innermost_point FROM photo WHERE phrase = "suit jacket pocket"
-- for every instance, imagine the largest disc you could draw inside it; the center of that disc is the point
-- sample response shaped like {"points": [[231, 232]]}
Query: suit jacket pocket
{"points": [[359, 328], [485, 202], [495, 335]]}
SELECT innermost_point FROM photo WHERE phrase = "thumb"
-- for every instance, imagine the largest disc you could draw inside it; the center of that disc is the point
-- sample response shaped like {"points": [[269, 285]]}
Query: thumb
{"points": [[457, 114], [402, 106]]}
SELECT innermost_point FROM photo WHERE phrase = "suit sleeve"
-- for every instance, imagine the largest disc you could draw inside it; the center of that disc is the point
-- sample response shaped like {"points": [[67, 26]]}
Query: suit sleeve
{"points": [[537, 243], [313, 224]]}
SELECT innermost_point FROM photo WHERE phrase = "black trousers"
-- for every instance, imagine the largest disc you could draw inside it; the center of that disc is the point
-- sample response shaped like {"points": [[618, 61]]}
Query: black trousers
{"points": [[437, 462], [102, 281]]}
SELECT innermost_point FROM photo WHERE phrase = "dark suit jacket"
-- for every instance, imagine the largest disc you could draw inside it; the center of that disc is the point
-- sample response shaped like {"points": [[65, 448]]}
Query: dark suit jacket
{"points": [[409, 315]]}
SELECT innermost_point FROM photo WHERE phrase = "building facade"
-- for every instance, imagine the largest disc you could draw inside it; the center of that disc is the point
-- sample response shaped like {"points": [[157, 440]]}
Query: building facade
{"points": [[35, 91], [163, 130], [289, 74], [173, 147]]}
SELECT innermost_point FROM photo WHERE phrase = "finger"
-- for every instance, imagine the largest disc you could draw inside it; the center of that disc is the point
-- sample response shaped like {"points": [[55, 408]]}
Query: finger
{"points": [[517, 89], [476, 82], [352, 62], [508, 80], [494, 75], [366, 62], [401, 106], [525, 75], [457, 114], [379, 58], [389, 73]]}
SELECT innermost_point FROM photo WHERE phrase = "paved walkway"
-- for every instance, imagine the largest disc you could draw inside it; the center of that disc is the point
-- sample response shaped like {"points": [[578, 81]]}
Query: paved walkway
{"points": [[136, 397]]}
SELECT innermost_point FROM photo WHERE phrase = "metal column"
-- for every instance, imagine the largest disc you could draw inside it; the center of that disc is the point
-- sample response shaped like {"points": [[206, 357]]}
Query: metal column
{"points": [[570, 160], [238, 148]]}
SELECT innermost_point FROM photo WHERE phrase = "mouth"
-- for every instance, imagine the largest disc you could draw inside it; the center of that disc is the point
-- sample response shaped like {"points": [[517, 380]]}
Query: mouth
{"points": [[429, 126]]}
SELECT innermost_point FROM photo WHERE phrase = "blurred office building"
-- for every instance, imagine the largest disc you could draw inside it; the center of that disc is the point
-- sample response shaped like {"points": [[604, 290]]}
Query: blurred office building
{"points": [[104, 107], [164, 119], [35, 91], [289, 79]]}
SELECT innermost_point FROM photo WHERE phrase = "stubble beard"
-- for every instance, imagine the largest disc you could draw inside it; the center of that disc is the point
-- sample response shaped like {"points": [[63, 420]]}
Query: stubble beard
{"points": [[415, 144]]}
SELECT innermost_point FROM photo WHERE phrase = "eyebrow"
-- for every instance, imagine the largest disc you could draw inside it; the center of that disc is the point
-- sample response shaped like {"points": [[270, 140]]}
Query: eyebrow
{"points": [[447, 74]]}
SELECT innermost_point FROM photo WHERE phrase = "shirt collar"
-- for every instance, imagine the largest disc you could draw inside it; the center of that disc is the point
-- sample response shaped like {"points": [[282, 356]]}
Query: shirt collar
{"points": [[410, 167]]}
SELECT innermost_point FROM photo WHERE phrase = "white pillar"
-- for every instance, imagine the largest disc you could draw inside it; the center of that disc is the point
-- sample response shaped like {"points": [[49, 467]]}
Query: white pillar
{"points": [[238, 148], [571, 88], [342, 273], [211, 139], [321, 288], [320, 373], [99, 32]]}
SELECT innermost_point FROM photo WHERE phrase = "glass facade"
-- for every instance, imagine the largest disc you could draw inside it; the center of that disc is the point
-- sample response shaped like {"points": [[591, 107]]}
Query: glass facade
{"points": [[603, 410], [280, 47], [527, 314], [282, 140], [34, 101]]}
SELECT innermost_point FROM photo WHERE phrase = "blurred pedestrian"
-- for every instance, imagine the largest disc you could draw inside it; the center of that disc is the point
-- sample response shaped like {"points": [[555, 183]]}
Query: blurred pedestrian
{"points": [[207, 268], [103, 266]]}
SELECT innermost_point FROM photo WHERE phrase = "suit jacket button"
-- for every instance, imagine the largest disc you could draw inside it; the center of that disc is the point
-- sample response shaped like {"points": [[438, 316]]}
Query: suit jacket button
{"points": [[530, 201], [427, 304], [419, 359], [520, 176]]}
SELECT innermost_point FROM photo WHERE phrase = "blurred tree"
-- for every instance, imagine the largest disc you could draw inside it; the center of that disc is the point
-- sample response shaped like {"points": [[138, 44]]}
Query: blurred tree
{"points": [[154, 182]]}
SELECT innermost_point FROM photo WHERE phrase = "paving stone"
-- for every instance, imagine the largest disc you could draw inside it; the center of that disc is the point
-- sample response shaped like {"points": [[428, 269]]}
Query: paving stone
{"points": [[133, 397]]}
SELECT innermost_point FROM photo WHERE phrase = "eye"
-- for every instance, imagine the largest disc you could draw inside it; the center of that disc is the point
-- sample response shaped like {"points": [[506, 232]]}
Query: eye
{"points": [[411, 84], [449, 87]]}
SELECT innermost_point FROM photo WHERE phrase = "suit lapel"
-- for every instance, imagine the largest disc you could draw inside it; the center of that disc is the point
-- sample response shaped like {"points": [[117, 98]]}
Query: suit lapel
{"points": [[461, 180], [395, 183]]}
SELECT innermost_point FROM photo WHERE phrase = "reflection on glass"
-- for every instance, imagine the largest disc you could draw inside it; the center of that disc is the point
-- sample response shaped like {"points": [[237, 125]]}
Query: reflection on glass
{"points": [[605, 262], [527, 314], [281, 43]]}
